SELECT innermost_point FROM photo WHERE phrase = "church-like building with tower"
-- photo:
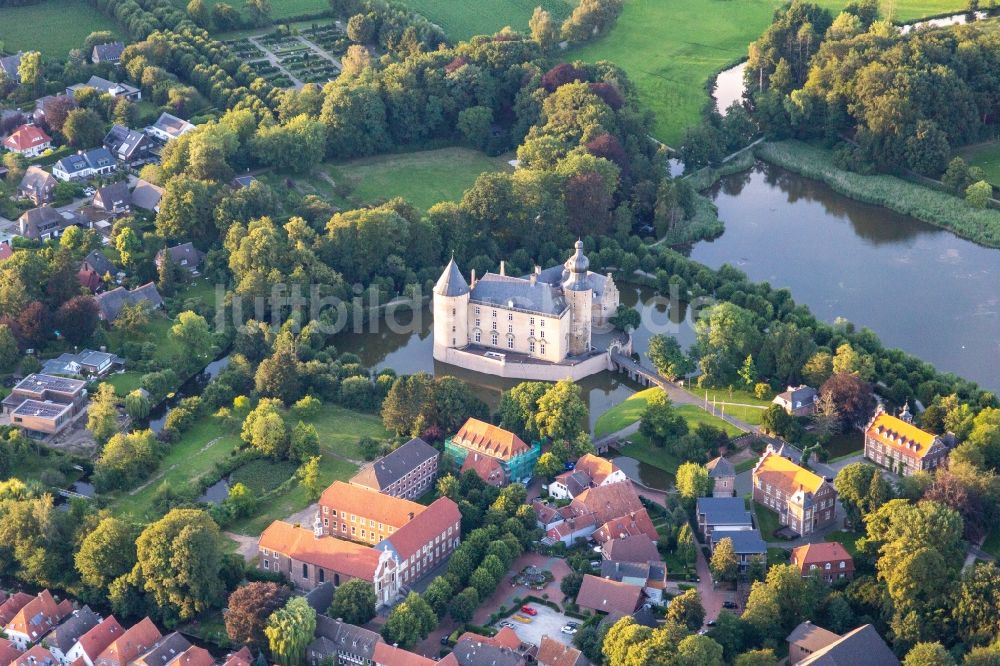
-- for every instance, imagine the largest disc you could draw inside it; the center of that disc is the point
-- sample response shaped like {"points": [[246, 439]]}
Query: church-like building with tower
{"points": [[539, 326]]}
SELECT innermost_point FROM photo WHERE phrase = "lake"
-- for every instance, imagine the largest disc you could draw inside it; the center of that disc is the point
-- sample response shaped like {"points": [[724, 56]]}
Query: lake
{"points": [[919, 287]]}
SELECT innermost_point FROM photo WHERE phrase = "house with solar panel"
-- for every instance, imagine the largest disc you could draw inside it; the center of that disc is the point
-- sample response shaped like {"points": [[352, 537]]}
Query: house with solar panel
{"points": [[45, 404]]}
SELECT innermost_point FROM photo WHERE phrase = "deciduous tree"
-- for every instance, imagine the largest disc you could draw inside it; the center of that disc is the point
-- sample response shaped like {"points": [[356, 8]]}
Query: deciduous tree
{"points": [[289, 631]]}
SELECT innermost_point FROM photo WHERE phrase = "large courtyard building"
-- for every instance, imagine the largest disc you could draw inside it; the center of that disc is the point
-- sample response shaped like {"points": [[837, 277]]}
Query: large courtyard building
{"points": [[508, 459], [529, 326]]}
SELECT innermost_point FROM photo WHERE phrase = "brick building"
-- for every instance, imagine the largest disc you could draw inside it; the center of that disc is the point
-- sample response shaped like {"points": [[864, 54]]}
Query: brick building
{"points": [[901, 447], [407, 472], [830, 561], [803, 501]]}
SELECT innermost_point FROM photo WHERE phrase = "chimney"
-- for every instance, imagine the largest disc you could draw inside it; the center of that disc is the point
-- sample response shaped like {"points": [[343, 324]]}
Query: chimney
{"points": [[411, 515], [533, 278], [503, 267], [538, 269], [472, 282]]}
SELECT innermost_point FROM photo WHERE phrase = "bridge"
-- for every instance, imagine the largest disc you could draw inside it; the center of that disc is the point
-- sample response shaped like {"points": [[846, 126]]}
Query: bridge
{"points": [[69, 494], [637, 372]]}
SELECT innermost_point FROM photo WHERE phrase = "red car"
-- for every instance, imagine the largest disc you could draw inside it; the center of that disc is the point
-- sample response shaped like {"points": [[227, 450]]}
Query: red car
{"points": [[528, 610]]}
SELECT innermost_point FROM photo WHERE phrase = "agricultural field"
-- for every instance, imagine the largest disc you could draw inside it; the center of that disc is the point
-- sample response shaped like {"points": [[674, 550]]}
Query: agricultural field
{"points": [[282, 9], [672, 49], [66, 24], [422, 178], [986, 156], [461, 20]]}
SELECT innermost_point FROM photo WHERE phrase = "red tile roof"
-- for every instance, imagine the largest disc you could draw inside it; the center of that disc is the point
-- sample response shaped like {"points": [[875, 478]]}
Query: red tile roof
{"points": [[6, 252], [241, 658], [39, 615], [434, 520], [820, 553], [36, 656], [553, 653], [608, 596], [10, 608], [8, 652], [388, 655], [607, 502], [633, 524], [127, 647], [194, 656], [492, 440], [97, 640], [486, 468], [26, 137], [346, 557], [373, 505], [597, 467]]}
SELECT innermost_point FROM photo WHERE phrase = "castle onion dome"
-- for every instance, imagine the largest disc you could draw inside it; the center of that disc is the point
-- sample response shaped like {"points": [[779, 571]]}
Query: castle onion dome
{"points": [[577, 266]]}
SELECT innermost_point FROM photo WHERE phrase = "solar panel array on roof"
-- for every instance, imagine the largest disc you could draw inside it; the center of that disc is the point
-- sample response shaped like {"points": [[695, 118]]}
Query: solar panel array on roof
{"points": [[45, 410], [39, 382]]}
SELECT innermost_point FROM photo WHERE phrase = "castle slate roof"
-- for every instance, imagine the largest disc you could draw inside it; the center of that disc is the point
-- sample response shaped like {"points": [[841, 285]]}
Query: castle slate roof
{"points": [[394, 466], [512, 292], [451, 282]]}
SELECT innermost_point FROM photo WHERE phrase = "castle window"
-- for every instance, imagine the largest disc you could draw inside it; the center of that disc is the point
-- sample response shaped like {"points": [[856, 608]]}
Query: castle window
{"points": [[493, 339], [510, 328], [494, 314], [510, 343], [494, 326], [543, 335], [542, 322], [543, 349], [477, 309], [531, 333], [453, 329], [479, 336], [453, 312], [531, 346], [510, 316], [532, 321], [478, 324]]}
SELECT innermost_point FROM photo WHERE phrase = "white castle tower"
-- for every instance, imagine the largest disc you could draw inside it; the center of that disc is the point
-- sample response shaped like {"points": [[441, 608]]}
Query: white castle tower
{"points": [[451, 311], [579, 296]]}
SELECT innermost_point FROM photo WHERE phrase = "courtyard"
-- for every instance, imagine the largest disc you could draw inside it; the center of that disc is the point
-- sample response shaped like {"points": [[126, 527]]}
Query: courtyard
{"points": [[548, 622]]}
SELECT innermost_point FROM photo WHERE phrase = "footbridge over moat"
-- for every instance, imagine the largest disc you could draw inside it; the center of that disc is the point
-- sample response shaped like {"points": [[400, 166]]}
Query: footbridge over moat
{"points": [[636, 372]]}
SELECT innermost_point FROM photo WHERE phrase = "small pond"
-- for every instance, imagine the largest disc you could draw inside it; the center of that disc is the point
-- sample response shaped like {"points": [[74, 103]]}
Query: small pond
{"points": [[215, 493]]}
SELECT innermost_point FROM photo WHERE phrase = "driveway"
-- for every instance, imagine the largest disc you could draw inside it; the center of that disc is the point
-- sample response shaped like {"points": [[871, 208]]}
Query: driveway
{"points": [[547, 623]]}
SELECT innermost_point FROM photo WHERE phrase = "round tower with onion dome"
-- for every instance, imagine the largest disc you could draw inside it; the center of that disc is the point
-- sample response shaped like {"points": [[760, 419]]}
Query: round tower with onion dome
{"points": [[579, 297]]}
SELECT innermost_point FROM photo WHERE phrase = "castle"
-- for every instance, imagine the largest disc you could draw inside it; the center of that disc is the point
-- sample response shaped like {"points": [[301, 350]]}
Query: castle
{"points": [[534, 327]]}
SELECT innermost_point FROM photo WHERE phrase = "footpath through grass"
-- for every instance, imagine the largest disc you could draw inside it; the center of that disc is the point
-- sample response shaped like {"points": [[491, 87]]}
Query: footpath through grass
{"points": [[932, 206], [52, 27], [630, 410]]}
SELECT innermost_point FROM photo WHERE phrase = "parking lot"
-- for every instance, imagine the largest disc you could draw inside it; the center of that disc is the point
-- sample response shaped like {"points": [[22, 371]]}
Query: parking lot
{"points": [[547, 623]]}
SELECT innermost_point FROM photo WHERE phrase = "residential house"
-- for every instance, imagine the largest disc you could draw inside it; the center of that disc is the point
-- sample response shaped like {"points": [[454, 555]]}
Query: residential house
{"points": [[8, 651], [809, 645], [723, 515], [98, 263], [240, 658], [608, 596], [240, 182], [38, 185], [114, 198], [590, 471], [638, 548], [128, 145], [86, 363], [107, 53], [9, 66], [45, 404], [166, 651], [723, 476], [516, 458], [168, 127], [407, 472], [28, 140], [110, 303], [554, 653], [63, 638], [651, 576], [36, 656], [47, 223], [147, 196], [42, 106], [106, 87], [37, 618], [90, 646], [84, 165], [130, 645], [338, 642], [901, 447], [831, 561], [634, 524], [10, 606], [6, 251], [185, 255], [503, 649], [393, 655], [798, 400], [803, 501], [591, 510], [747, 546]]}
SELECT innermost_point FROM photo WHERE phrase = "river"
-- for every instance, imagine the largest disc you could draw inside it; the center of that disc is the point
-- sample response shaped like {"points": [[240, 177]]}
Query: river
{"points": [[919, 287]]}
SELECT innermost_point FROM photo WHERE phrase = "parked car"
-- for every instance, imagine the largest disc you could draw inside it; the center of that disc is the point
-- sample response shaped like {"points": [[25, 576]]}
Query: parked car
{"points": [[568, 630], [90, 191], [444, 640], [710, 623], [528, 610], [522, 619], [729, 604], [506, 625]]}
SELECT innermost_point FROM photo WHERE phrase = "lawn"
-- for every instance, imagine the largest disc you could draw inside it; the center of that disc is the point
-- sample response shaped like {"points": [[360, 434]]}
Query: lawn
{"points": [[461, 20], [767, 521], [281, 9], [670, 49], [845, 444], [340, 429], [846, 539], [186, 461], [992, 543], [640, 449], [52, 27], [263, 476], [124, 382], [630, 410], [987, 157], [422, 178]]}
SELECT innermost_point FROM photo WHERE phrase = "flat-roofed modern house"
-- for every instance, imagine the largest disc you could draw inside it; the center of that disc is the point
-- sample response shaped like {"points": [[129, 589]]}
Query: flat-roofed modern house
{"points": [[45, 404], [87, 363], [901, 447], [168, 127], [407, 472]]}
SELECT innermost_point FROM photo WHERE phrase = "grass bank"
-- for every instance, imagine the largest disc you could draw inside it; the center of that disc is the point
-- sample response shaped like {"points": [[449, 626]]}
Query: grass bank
{"points": [[630, 410], [923, 203], [986, 156], [461, 20], [52, 27]]}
